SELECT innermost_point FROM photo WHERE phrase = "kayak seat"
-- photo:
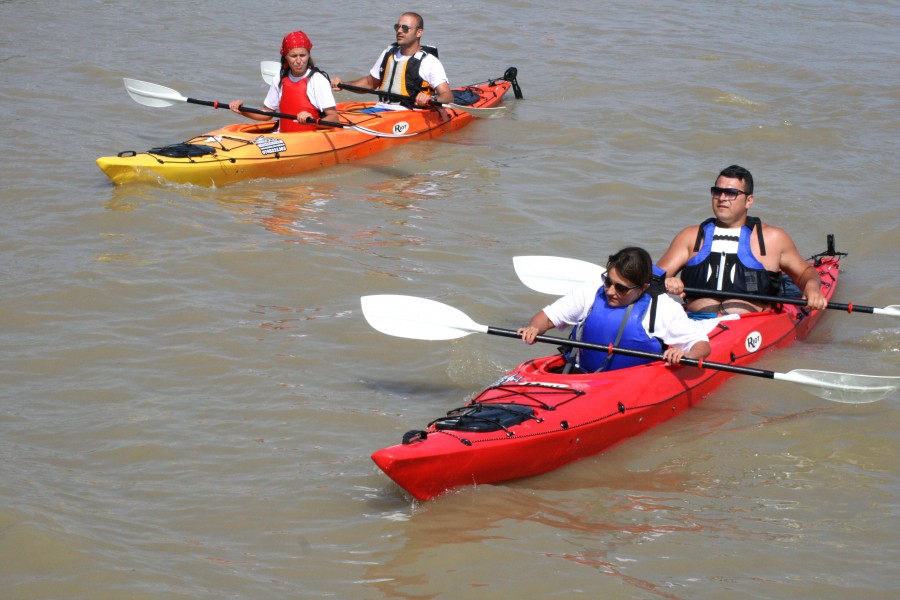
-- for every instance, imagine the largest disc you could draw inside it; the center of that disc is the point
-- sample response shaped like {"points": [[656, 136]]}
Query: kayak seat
{"points": [[559, 366]]}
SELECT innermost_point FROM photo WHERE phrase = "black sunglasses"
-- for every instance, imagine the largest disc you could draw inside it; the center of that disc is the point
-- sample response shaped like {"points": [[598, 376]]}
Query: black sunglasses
{"points": [[725, 193], [621, 288], [405, 28]]}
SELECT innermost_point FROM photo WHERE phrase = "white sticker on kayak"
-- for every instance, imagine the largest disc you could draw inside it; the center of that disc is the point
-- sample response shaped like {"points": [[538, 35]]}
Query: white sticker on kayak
{"points": [[270, 145], [506, 379], [753, 341], [401, 127], [514, 379]]}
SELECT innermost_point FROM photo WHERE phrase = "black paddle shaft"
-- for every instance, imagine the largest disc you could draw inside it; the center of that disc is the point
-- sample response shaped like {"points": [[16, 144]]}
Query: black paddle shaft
{"points": [[256, 111], [691, 362], [380, 93], [701, 293]]}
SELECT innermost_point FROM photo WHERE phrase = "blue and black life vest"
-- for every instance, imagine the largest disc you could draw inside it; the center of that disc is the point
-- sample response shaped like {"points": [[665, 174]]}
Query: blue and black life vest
{"points": [[742, 272]]}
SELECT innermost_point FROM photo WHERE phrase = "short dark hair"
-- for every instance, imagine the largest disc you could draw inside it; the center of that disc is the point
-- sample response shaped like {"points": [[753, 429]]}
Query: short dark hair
{"points": [[739, 172], [632, 263]]}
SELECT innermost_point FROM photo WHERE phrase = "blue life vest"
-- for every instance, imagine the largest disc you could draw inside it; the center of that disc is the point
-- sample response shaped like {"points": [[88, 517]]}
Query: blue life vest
{"points": [[743, 271], [602, 325]]}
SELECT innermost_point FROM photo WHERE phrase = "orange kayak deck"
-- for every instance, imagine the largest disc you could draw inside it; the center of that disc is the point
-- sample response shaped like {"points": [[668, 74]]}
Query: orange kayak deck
{"points": [[245, 151]]}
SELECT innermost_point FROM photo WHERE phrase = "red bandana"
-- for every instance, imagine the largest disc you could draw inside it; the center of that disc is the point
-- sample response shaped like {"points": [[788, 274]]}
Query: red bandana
{"points": [[293, 40]]}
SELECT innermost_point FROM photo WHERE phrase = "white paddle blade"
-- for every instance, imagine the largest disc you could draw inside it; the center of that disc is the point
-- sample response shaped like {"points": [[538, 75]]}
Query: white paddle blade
{"points": [[270, 70], [849, 388], [482, 113], [554, 274], [152, 94], [417, 318], [892, 310]]}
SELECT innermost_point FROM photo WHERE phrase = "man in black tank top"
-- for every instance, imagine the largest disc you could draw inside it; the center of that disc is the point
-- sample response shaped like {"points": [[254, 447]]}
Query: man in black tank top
{"points": [[736, 252]]}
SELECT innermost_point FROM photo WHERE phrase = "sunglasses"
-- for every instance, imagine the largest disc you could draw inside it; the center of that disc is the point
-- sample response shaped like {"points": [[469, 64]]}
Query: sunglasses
{"points": [[405, 28], [620, 288], [725, 193]]}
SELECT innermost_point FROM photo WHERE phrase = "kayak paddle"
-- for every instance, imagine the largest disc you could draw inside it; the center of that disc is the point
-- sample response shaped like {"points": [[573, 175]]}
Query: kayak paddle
{"points": [[157, 96], [484, 113], [271, 69], [423, 319], [557, 275]]}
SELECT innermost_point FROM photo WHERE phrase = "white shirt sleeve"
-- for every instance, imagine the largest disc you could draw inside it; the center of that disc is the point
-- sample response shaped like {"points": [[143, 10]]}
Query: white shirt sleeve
{"points": [[273, 97], [674, 326], [572, 308], [432, 71], [318, 90]]}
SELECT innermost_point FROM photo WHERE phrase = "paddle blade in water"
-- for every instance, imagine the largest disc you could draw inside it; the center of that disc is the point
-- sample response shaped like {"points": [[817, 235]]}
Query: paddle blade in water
{"points": [[417, 318], [493, 112], [849, 388]]}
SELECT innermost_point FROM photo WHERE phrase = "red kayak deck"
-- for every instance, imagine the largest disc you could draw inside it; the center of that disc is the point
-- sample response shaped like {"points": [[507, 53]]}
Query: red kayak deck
{"points": [[573, 416]]}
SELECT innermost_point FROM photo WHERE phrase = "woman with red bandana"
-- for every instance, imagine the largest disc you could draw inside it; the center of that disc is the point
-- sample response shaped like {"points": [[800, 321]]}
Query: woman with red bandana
{"points": [[301, 89]]}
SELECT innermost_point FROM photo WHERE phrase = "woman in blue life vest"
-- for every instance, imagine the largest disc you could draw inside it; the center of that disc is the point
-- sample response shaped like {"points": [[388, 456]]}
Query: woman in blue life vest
{"points": [[301, 89], [407, 68], [620, 310]]}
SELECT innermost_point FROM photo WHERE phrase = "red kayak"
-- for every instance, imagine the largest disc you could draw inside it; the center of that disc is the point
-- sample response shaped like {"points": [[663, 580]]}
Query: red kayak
{"points": [[535, 419]]}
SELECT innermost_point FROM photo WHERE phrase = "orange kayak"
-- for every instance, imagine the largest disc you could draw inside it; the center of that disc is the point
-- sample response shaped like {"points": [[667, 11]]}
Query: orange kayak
{"points": [[245, 151]]}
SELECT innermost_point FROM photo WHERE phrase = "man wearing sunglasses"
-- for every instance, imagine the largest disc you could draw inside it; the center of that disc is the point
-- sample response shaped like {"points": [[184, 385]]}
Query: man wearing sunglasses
{"points": [[407, 68], [622, 310], [735, 252]]}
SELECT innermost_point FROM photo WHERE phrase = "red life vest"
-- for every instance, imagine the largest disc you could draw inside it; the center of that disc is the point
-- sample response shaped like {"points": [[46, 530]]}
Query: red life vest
{"points": [[294, 100]]}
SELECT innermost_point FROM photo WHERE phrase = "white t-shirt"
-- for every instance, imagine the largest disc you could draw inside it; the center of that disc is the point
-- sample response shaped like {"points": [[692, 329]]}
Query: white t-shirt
{"points": [[673, 325], [430, 69], [318, 90]]}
